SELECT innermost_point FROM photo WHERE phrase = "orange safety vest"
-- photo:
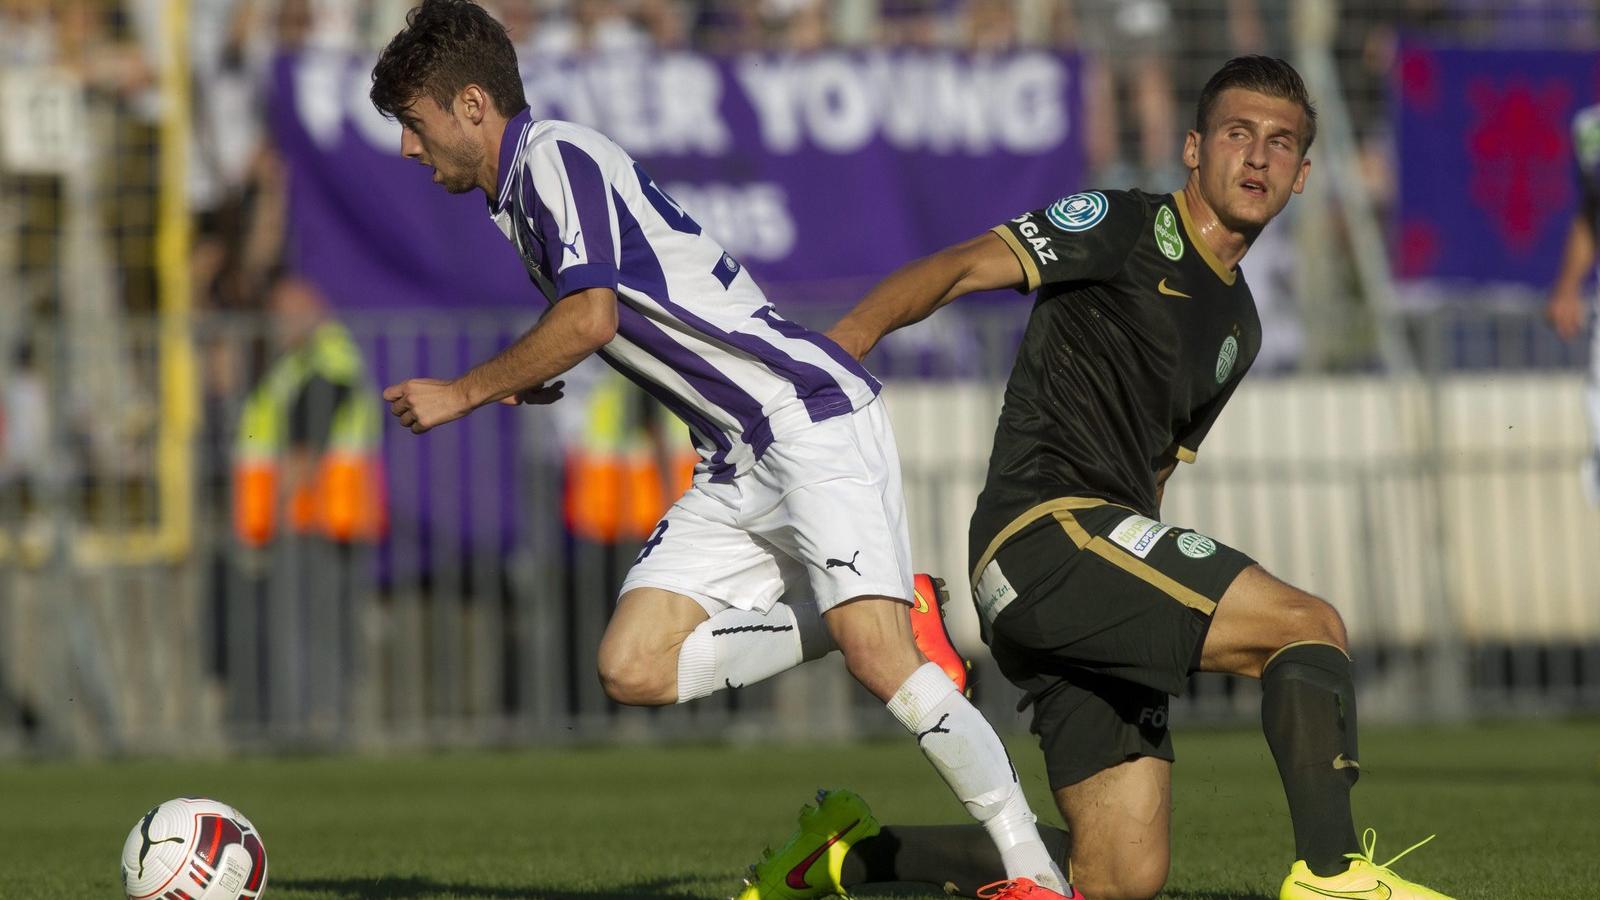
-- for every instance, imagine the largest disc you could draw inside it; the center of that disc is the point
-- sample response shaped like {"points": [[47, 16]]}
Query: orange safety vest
{"points": [[344, 498], [617, 485]]}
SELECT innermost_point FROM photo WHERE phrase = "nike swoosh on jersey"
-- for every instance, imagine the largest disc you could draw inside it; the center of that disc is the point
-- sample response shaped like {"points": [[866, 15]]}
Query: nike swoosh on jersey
{"points": [[1379, 891], [797, 875], [1171, 292], [1342, 762]]}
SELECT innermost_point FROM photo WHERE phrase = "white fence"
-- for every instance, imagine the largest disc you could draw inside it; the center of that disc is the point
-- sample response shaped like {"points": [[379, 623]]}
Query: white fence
{"points": [[1442, 515]]}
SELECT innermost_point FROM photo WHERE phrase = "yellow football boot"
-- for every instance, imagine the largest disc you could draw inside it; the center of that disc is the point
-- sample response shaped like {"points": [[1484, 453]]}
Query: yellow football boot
{"points": [[1364, 880], [809, 864]]}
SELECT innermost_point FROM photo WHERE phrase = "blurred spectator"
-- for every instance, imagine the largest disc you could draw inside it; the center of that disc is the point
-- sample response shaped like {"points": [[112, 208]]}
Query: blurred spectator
{"points": [[990, 26], [1531, 23], [915, 23], [588, 26], [308, 505], [800, 26], [28, 30], [666, 22], [305, 457], [24, 426], [1130, 44], [726, 26]]}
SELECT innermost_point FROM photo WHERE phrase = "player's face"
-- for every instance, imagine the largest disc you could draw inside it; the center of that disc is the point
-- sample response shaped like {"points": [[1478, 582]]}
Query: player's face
{"points": [[433, 136], [1249, 160]]}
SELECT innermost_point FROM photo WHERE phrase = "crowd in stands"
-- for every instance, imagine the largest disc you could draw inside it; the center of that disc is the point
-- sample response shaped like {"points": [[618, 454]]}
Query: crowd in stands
{"points": [[1147, 59]]}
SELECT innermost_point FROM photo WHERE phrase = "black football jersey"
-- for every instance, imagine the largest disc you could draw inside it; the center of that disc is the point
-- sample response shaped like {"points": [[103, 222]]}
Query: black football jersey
{"points": [[1135, 342]]}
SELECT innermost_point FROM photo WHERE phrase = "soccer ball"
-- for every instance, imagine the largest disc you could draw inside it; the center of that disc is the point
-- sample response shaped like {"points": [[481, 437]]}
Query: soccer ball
{"points": [[192, 848]]}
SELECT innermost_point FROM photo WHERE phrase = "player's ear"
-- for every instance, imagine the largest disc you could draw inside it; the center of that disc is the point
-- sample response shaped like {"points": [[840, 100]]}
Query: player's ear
{"points": [[1191, 150], [1300, 180], [473, 101]]}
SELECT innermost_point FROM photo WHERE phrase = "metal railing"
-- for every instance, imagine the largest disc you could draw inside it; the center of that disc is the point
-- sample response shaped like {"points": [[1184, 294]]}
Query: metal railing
{"points": [[1442, 514]]}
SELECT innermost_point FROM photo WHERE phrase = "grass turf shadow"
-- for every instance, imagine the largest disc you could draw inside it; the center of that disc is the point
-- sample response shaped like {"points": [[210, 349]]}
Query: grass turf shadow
{"points": [[412, 887]]}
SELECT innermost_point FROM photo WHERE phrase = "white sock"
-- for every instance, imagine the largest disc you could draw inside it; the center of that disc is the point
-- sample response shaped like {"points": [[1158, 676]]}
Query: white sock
{"points": [[968, 755], [737, 647]]}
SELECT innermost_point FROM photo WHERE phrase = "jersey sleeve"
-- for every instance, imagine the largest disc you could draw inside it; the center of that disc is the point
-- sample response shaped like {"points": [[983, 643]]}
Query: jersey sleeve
{"points": [[575, 215], [1082, 237]]}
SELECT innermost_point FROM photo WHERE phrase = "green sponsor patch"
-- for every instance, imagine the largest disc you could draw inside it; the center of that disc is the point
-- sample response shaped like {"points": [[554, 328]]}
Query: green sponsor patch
{"points": [[1167, 237]]}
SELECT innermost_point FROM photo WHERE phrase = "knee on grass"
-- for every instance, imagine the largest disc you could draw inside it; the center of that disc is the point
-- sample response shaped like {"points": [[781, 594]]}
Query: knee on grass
{"points": [[1135, 876]]}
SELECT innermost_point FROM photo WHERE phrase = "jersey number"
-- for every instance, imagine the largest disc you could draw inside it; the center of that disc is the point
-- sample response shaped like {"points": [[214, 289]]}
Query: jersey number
{"points": [[665, 205], [655, 538]]}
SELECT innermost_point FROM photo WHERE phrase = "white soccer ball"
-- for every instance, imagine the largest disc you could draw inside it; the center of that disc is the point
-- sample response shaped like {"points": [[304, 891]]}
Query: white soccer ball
{"points": [[192, 848]]}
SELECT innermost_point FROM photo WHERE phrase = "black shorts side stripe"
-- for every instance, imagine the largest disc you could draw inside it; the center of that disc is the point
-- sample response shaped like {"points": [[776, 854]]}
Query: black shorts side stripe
{"points": [[1034, 514]]}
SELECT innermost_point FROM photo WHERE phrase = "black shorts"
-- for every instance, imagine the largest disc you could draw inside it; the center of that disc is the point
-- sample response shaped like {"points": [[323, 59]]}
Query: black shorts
{"points": [[1106, 616]]}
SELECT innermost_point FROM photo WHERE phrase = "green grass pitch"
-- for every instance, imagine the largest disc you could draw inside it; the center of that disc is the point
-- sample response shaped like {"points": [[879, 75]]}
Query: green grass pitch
{"points": [[1516, 808]]}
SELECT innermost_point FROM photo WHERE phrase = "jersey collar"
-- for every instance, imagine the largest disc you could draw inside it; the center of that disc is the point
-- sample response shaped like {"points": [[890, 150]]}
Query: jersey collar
{"points": [[1223, 272], [510, 146]]}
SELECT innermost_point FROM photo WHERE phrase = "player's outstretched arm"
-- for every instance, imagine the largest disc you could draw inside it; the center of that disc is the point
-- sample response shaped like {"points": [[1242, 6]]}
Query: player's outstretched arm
{"points": [[580, 324], [915, 290], [1565, 311]]}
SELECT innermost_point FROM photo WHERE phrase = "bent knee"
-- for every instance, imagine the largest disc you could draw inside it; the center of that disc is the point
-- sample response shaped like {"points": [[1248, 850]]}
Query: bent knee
{"points": [[875, 640], [1311, 618], [1138, 877], [637, 679]]}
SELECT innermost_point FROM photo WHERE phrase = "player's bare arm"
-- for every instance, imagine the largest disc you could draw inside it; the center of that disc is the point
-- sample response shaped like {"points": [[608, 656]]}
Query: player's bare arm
{"points": [[579, 325], [1565, 310], [914, 291]]}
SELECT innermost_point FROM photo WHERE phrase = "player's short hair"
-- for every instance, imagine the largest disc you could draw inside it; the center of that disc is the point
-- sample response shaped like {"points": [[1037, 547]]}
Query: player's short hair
{"points": [[1264, 75], [445, 46]]}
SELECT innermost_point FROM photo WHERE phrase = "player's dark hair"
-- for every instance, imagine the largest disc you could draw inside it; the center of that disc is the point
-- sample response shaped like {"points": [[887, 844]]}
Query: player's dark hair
{"points": [[1264, 75], [445, 46]]}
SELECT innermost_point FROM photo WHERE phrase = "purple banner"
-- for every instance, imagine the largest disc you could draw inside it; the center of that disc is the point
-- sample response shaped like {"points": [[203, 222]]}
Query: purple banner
{"points": [[807, 168], [1486, 173]]}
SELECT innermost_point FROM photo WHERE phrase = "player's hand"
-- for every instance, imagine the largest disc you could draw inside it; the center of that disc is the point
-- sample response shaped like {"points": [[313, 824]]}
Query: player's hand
{"points": [[1565, 312], [542, 395], [424, 403]]}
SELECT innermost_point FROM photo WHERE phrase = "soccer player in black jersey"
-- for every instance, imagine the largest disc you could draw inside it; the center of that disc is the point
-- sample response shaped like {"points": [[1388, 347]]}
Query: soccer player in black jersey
{"points": [[1092, 604]]}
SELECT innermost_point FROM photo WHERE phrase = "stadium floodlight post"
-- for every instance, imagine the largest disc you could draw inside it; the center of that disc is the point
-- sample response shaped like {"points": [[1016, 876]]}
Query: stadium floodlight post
{"points": [[1313, 24]]}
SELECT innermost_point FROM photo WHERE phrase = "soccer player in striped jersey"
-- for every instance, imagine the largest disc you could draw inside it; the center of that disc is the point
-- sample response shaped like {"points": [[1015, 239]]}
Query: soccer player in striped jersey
{"points": [[797, 494]]}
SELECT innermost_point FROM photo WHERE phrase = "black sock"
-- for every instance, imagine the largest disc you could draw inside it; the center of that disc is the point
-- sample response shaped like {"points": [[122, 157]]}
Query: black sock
{"points": [[1308, 711], [957, 858]]}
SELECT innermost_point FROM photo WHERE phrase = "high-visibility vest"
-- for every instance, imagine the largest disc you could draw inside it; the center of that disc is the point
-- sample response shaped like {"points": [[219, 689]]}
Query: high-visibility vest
{"points": [[619, 480], [344, 498]]}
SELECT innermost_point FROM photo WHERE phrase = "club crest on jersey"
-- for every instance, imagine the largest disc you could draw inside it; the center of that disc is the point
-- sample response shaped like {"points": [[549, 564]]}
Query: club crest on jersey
{"points": [[1195, 545], [1079, 212], [1167, 237], [1226, 357]]}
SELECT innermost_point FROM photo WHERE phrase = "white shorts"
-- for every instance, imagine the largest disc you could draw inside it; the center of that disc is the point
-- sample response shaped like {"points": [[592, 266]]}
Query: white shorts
{"points": [[819, 519]]}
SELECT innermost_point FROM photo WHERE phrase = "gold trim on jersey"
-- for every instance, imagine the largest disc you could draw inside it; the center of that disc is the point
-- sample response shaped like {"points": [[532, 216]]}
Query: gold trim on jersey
{"points": [[1061, 509], [1223, 272], [1028, 518], [1184, 454], [1030, 269]]}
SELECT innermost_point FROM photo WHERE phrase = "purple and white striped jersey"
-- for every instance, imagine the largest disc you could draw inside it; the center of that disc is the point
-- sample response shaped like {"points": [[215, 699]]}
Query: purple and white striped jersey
{"points": [[694, 329]]}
